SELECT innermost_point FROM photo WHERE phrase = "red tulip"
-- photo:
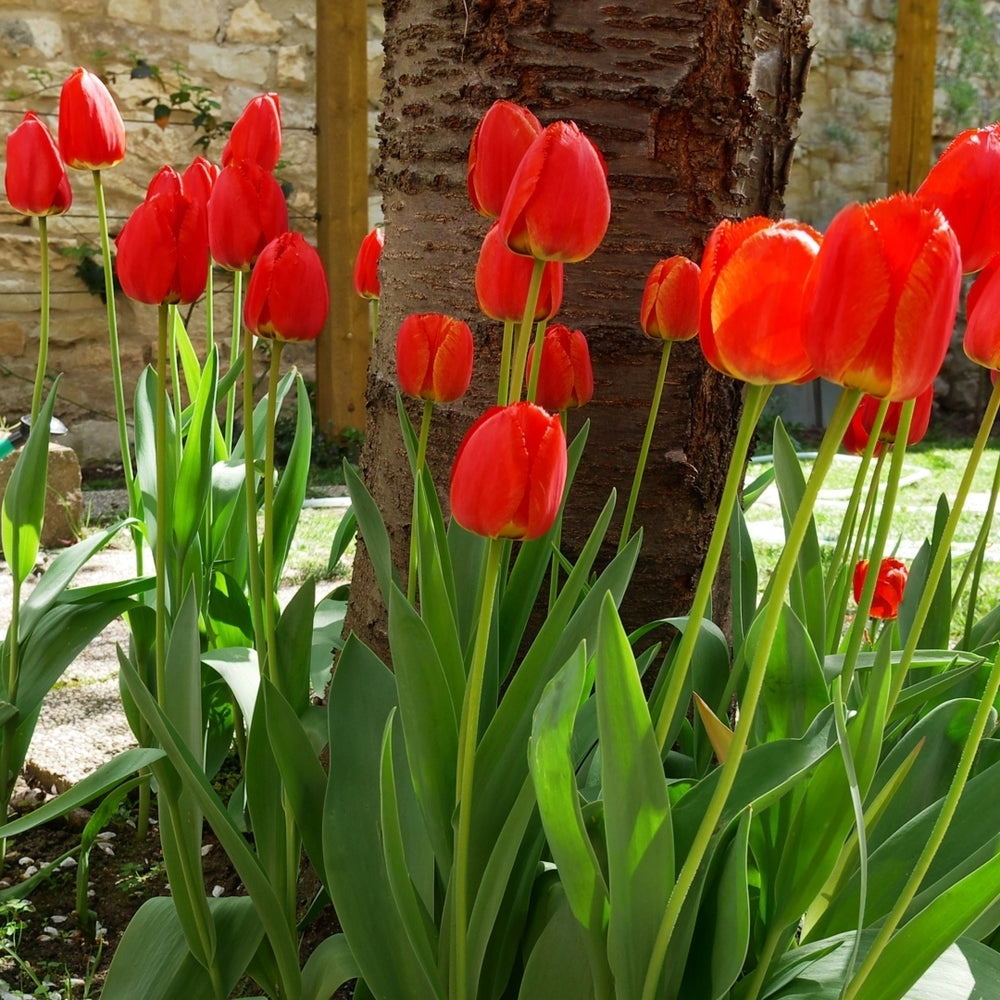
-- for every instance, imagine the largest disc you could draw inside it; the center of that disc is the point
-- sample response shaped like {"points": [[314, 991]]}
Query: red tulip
{"points": [[256, 134], [965, 185], [750, 288], [245, 212], [287, 296], [982, 309], [199, 179], [501, 138], [434, 357], [881, 299], [860, 428], [91, 131], [889, 587], [163, 247], [35, 177], [366, 282], [508, 477], [165, 181], [558, 205], [503, 277], [669, 309], [565, 376]]}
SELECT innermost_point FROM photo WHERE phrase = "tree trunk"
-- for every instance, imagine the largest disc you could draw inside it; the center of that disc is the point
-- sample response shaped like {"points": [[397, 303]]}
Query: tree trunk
{"points": [[692, 105]]}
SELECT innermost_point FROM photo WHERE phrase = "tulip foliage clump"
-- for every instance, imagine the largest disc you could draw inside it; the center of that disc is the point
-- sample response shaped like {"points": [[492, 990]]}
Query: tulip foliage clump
{"points": [[803, 805]]}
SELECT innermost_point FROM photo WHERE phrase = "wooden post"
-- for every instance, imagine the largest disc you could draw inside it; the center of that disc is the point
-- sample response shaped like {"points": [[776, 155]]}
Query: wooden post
{"points": [[342, 203], [911, 127]]}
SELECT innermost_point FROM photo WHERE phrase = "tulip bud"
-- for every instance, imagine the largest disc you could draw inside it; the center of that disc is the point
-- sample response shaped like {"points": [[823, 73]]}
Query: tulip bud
{"points": [[501, 138], [750, 289], [565, 376], [863, 422], [434, 356], [366, 282], [981, 340], [256, 134], [245, 212], [91, 130], [558, 206], [669, 309], [287, 296], [35, 177], [199, 179], [503, 278], [889, 587], [509, 473]]}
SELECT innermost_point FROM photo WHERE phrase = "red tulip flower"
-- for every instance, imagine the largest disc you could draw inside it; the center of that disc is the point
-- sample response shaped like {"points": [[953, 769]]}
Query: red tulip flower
{"points": [[558, 205], [862, 423], [256, 134], [91, 130], [881, 299], [669, 309], [163, 247], [199, 178], [752, 275], [508, 477], [287, 296], [565, 375], [889, 587], [35, 178], [965, 185], [500, 140], [503, 277], [982, 310], [245, 212], [434, 357], [366, 282]]}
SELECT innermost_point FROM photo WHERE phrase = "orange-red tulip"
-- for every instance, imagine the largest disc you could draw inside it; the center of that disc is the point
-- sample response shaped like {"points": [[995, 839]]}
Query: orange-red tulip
{"points": [[35, 177], [565, 375], [981, 340], [199, 178], [508, 477], [256, 134], [245, 212], [881, 299], [287, 296], [669, 309], [501, 138], [750, 288], [434, 357], [366, 282], [558, 205], [860, 428], [163, 247], [91, 130], [965, 185], [889, 587], [503, 277]]}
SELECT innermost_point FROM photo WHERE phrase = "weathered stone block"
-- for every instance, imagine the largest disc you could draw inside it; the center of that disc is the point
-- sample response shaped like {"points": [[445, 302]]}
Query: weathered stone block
{"points": [[63, 494]]}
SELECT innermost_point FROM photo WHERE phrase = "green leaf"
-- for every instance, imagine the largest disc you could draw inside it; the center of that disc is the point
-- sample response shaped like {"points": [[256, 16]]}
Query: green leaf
{"points": [[347, 528], [743, 575], [936, 630], [330, 965], [293, 655], [291, 489], [23, 508], [372, 529]]}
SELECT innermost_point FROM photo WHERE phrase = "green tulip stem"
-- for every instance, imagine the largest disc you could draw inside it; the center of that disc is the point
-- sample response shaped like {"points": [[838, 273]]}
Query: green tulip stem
{"points": [[250, 489], [753, 406], [425, 430], [507, 348], [468, 738], [941, 824], [43, 329], [374, 312], [851, 514], [160, 555], [856, 635], [209, 310], [557, 534], [974, 564], [175, 377], [234, 356], [270, 581], [524, 333], [118, 385], [536, 360], [647, 439], [944, 548], [839, 420]]}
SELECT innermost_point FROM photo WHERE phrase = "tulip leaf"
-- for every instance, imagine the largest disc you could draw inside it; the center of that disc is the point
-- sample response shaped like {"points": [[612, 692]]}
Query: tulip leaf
{"points": [[144, 410], [293, 656], [372, 530], [743, 576], [936, 630], [329, 966], [291, 488], [23, 508]]}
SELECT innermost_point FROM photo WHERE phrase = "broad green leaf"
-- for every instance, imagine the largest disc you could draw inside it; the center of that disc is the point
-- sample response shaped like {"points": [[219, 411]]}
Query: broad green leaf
{"points": [[145, 408], [291, 489], [330, 965], [347, 528], [936, 630], [237, 665], [372, 530], [743, 576], [294, 646]]}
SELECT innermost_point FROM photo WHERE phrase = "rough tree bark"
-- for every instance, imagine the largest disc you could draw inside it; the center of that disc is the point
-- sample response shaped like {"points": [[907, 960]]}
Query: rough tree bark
{"points": [[693, 104]]}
